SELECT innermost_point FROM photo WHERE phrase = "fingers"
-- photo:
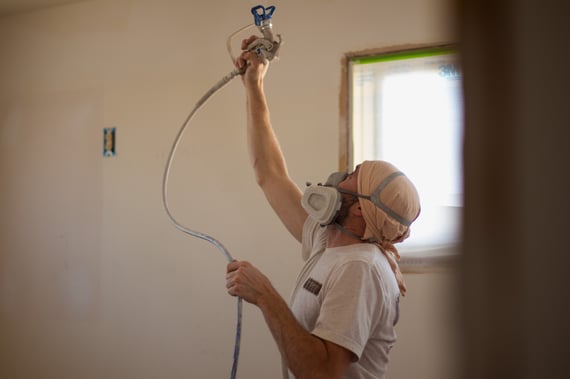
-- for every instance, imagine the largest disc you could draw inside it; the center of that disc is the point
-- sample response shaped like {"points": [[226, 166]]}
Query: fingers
{"points": [[242, 281], [234, 265], [241, 61], [232, 276], [246, 42], [247, 57]]}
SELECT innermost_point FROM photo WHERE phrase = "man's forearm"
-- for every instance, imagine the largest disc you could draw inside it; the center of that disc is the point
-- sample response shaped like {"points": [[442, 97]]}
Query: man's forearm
{"points": [[305, 355], [265, 153]]}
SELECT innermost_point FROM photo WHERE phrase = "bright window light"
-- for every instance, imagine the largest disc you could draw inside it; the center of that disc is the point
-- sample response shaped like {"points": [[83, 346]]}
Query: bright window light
{"points": [[407, 108]]}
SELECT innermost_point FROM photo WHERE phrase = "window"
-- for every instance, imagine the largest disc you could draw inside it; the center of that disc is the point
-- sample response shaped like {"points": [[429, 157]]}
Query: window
{"points": [[406, 107]]}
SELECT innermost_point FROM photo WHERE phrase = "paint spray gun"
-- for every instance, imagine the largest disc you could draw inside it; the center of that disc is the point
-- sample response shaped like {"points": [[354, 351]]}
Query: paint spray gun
{"points": [[267, 47]]}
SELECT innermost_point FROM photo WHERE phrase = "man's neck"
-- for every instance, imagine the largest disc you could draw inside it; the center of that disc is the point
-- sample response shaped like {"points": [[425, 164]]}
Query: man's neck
{"points": [[338, 235]]}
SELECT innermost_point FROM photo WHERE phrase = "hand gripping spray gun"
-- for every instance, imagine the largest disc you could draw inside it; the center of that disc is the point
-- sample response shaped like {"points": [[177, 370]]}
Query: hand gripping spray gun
{"points": [[267, 48]]}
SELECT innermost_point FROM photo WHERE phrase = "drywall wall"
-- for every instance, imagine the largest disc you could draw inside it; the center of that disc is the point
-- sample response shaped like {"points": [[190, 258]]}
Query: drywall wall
{"points": [[94, 280]]}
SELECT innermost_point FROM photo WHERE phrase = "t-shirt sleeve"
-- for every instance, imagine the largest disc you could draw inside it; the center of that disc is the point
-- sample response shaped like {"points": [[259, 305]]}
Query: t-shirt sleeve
{"points": [[313, 239], [352, 302]]}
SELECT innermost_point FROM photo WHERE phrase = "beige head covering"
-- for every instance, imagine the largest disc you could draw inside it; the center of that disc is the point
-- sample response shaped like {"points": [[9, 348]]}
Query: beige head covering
{"points": [[393, 206]]}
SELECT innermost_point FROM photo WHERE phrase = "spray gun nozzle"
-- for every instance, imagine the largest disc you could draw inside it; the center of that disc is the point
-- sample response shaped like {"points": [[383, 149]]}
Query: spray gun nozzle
{"points": [[260, 13]]}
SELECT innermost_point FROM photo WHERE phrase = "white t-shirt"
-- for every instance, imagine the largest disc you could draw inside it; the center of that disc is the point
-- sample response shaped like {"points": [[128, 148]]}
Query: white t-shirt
{"points": [[349, 296]]}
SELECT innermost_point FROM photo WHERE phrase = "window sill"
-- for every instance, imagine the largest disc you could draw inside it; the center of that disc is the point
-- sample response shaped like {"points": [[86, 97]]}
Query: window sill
{"points": [[430, 259]]}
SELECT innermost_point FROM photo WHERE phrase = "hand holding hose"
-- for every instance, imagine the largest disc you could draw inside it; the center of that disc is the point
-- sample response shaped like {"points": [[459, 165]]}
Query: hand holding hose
{"points": [[247, 282]]}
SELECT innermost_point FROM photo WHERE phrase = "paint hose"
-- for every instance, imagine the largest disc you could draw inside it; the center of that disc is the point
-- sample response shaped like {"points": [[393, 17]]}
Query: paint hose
{"points": [[225, 80]]}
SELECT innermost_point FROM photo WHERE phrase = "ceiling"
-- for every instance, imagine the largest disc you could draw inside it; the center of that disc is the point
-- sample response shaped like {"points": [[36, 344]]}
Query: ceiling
{"points": [[8, 7]]}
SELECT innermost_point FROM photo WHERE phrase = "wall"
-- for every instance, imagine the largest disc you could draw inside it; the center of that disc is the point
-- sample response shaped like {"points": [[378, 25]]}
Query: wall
{"points": [[94, 280]]}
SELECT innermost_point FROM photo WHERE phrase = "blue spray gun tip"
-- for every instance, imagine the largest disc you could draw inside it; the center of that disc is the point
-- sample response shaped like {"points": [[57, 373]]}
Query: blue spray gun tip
{"points": [[268, 46], [260, 13]]}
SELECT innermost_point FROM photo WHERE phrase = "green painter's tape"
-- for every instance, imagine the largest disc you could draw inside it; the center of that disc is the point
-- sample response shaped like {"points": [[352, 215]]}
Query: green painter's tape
{"points": [[420, 53]]}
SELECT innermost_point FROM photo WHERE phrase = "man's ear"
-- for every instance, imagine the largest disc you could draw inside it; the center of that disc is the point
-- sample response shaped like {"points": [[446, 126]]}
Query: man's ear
{"points": [[356, 209]]}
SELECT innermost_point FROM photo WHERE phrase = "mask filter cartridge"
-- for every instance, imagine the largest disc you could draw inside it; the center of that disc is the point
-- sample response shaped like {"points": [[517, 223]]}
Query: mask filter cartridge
{"points": [[322, 203]]}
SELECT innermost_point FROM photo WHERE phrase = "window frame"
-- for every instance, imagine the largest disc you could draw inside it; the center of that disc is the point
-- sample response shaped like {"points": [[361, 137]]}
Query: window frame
{"points": [[413, 262]]}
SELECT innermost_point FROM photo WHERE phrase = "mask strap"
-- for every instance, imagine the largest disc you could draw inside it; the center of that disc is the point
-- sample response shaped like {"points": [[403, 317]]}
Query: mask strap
{"points": [[375, 198], [348, 232]]}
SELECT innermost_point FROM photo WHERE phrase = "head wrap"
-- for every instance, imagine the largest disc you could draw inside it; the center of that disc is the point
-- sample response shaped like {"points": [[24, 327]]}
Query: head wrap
{"points": [[394, 204]]}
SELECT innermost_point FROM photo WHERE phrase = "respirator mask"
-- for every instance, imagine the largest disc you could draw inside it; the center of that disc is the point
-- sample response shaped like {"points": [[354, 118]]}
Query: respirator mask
{"points": [[323, 201]]}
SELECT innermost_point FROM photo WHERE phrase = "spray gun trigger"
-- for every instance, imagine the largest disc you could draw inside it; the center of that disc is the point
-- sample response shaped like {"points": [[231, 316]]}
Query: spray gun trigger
{"points": [[265, 49]]}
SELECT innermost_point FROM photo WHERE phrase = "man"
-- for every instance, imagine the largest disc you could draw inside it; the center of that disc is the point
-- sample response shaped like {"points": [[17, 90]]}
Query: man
{"points": [[345, 305]]}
